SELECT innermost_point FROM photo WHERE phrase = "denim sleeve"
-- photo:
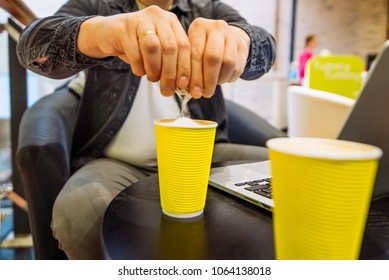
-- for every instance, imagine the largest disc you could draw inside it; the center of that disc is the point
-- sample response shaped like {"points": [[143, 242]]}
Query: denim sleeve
{"points": [[55, 38], [262, 52]]}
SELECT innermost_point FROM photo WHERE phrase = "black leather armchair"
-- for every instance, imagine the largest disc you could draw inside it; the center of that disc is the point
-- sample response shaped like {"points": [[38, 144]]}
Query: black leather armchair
{"points": [[43, 156], [43, 159]]}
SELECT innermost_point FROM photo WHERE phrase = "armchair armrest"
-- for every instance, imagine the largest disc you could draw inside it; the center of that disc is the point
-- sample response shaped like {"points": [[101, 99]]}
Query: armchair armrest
{"points": [[43, 159]]}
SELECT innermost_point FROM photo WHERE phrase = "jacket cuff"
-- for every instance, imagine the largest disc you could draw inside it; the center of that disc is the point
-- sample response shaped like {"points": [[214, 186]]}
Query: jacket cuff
{"points": [[65, 50], [262, 51]]}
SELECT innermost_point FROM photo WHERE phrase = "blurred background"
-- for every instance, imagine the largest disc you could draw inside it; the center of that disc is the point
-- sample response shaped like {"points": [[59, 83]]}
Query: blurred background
{"points": [[346, 27]]}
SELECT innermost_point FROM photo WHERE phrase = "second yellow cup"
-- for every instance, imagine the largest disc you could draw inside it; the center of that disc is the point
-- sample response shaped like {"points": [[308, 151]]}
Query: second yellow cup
{"points": [[184, 155], [322, 190]]}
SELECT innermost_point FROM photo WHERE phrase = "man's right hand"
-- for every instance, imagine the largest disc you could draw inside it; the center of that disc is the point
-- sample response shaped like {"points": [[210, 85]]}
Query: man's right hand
{"points": [[152, 41]]}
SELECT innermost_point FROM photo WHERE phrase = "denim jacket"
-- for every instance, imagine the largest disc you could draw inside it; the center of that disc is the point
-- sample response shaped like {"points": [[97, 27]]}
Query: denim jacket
{"points": [[111, 86]]}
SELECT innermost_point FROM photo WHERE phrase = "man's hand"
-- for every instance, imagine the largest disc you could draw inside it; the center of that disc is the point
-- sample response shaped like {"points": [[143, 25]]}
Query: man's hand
{"points": [[154, 43], [218, 55]]}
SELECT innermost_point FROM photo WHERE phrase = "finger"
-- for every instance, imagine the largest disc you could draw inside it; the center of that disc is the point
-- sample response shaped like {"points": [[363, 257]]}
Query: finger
{"points": [[197, 40], [131, 54], [240, 65], [243, 46], [184, 54], [212, 62], [150, 50], [169, 52], [229, 61]]}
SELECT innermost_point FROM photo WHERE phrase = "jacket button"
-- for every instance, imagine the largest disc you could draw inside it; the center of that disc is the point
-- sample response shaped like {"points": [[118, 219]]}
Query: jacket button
{"points": [[61, 52]]}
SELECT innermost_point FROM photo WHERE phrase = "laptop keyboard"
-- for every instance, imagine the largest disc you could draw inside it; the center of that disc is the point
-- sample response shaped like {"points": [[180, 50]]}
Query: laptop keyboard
{"points": [[260, 186]]}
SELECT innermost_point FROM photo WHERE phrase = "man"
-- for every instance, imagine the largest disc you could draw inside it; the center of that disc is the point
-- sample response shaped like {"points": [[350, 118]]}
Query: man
{"points": [[131, 52]]}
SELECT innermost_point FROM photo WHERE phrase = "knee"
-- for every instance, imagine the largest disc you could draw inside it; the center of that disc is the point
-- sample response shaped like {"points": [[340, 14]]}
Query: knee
{"points": [[76, 221]]}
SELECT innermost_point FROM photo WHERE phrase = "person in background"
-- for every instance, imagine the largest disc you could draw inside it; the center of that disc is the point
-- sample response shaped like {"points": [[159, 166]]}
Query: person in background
{"points": [[134, 54], [306, 54]]}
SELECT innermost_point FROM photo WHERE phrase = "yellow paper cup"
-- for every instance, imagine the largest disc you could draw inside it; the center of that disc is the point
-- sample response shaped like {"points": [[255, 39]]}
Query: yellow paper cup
{"points": [[322, 190], [184, 155]]}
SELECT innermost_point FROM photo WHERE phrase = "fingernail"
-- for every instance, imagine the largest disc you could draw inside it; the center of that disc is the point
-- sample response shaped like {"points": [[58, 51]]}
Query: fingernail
{"points": [[208, 94], [183, 82], [167, 91], [196, 92]]}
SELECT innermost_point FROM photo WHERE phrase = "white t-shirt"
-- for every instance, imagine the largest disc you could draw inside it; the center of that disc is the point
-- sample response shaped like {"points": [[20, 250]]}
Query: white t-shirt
{"points": [[135, 141]]}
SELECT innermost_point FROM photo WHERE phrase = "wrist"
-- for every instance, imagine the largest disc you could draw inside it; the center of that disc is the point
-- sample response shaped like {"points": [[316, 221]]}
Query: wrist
{"points": [[87, 40]]}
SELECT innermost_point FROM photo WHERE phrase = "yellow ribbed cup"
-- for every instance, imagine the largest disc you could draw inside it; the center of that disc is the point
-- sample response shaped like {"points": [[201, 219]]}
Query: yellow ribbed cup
{"points": [[322, 190], [184, 156]]}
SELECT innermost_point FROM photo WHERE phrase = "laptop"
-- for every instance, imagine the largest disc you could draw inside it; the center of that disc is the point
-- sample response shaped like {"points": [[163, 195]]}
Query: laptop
{"points": [[367, 123]]}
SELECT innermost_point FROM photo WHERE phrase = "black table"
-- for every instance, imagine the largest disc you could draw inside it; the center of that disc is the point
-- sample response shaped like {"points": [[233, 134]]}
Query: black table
{"points": [[230, 228]]}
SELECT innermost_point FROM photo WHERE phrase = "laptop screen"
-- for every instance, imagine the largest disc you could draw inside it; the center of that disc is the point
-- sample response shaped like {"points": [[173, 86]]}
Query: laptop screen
{"points": [[367, 122]]}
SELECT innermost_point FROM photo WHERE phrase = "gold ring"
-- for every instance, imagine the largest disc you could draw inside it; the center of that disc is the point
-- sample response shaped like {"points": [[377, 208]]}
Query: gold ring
{"points": [[144, 34]]}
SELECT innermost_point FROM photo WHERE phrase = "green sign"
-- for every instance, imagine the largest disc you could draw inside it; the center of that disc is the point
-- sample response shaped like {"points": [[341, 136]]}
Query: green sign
{"points": [[340, 74]]}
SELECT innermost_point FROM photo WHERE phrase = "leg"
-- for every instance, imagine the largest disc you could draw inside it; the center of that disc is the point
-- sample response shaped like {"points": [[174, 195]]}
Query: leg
{"points": [[246, 127], [237, 152], [80, 206]]}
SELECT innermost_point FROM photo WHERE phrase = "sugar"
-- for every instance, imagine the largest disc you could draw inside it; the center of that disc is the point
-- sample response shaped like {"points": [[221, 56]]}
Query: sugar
{"points": [[185, 122]]}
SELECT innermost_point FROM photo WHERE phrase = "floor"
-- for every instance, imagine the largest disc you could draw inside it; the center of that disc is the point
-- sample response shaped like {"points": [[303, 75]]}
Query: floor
{"points": [[12, 247], [19, 248]]}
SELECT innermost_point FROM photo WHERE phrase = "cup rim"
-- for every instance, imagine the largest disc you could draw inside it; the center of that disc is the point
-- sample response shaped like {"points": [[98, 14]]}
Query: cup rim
{"points": [[168, 123], [366, 151]]}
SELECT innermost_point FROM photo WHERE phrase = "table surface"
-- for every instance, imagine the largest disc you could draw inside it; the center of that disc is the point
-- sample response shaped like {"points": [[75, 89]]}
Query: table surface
{"points": [[230, 228]]}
